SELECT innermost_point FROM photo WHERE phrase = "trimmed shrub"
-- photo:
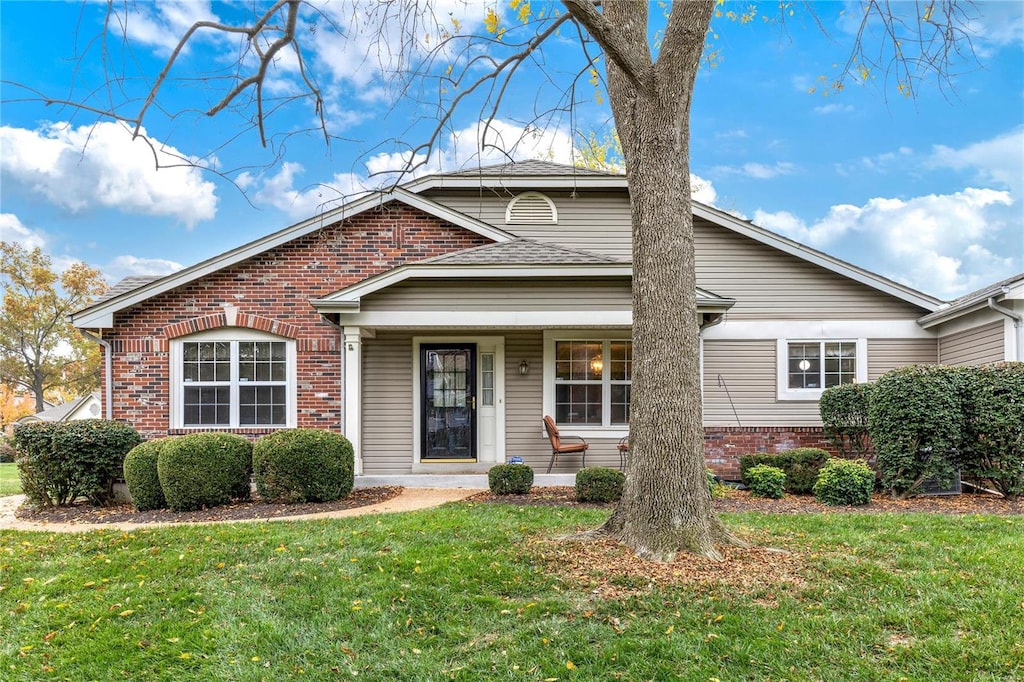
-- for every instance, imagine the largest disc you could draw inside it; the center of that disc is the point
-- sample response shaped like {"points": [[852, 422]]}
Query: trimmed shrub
{"points": [[303, 465], [844, 418], [800, 464], [715, 486], [141, 475], [60, 462], [766, 481], [917, 425], [993, 445], [510, 479], [599, 484], [845, 481], [204, 470]]}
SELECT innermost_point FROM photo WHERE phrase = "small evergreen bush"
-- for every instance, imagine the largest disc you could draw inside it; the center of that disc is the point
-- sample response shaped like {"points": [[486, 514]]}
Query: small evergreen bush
{"points": [[766, 481], [141, 475], [204, 470], [510, 479], [800, 464], [845, 481], [303, 465], [993, 405], [715, 486], [844, 418], [58, 462], [599, 484]]}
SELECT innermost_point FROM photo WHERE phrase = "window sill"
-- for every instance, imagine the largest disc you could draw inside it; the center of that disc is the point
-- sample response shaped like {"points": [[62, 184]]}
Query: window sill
{"points": [[588, 432]]}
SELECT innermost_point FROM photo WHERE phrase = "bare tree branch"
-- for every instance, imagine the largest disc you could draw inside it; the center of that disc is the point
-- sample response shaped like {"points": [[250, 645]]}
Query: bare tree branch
{"points": [[612, 38]]}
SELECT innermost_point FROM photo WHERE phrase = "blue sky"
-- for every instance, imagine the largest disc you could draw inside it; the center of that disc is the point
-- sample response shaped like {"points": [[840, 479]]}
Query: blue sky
{"points": [[927, 190]]}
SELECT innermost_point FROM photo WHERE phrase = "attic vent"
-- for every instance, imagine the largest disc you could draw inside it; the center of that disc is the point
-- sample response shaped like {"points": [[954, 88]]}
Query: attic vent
{"points": [[531, 208]]}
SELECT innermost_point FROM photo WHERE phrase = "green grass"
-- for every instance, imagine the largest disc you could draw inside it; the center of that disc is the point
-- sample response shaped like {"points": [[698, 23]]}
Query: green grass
{"points": [[10, 484], [456, 593]]}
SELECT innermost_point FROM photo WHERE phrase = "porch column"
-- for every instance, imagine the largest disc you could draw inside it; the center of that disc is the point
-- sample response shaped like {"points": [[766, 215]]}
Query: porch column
{"points": [[354, 392]]}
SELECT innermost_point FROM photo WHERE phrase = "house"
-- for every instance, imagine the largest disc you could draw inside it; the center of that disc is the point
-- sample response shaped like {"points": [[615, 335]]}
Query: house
{"points": [[83, 407], [436, 323]]}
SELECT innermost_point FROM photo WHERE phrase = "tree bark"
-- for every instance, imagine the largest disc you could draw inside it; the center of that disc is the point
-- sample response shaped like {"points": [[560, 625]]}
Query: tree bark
{"points": [[666, 505]]}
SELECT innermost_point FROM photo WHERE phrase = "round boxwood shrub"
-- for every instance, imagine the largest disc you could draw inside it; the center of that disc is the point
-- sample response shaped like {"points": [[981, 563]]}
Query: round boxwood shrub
{"points": [[141, 475], [303, 465], [204, 470], [510, 479], [844, 481], [766, 481], [599, 484]]}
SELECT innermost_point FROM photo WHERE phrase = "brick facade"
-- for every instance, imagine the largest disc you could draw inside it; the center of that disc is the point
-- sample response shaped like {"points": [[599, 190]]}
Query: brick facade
{"points": [[724, 445], [270, 292]]}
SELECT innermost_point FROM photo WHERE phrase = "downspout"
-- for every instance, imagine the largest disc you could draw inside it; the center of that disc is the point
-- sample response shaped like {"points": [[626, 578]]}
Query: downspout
{"points": [[108, 361], [1018, 322]]}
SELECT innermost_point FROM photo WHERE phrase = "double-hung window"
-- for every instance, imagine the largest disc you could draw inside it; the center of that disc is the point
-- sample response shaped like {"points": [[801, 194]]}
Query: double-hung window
{"points": [[588, 381], [233, 381], [807, 367]]}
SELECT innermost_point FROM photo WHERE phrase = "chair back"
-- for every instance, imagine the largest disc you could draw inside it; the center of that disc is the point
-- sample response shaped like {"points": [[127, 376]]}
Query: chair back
{"points": [[552, 431]]}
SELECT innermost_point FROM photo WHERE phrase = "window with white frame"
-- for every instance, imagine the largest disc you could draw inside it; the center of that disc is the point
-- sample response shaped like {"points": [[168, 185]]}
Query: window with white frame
{"points": [[591, 382], [233, 379], [808, 367]]}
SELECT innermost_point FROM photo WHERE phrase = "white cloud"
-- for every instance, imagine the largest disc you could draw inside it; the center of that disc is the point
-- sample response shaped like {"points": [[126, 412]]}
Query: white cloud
{"points": [[702, 190], [833, 108], [944, 244], [13, 230], [162, 24], [999, 160], [82, 168], [279, 191], [758, 171], [125, 266]]}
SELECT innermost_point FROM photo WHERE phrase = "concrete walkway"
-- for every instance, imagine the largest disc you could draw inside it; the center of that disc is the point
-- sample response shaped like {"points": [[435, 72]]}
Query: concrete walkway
{"points": [[410, 499]]}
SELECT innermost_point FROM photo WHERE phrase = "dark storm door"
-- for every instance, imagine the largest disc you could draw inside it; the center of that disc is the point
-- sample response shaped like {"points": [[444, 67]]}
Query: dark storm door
{"points": [[448, 389]]}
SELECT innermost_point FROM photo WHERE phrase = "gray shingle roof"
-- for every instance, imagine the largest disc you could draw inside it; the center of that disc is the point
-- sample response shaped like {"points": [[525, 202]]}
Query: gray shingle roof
{"points": [[520, 252], [529, 167], [124, 286], [60, 412], [990, 290]]}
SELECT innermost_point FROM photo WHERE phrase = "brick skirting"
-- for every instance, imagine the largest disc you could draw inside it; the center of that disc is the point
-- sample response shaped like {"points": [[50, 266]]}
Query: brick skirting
{"points": [[724, 445]]}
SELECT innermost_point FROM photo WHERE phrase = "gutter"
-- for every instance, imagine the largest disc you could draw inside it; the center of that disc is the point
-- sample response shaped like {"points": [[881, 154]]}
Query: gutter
{"points": [[108, 397], [1018, 321]]}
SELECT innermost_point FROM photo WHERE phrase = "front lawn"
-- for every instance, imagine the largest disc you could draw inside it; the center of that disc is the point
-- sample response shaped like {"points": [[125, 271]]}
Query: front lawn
{"points": [[462, 593], [10, 484]]}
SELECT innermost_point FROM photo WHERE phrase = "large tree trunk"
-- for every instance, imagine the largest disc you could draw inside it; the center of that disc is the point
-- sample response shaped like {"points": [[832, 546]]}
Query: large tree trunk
{"points": [[666, 505]]}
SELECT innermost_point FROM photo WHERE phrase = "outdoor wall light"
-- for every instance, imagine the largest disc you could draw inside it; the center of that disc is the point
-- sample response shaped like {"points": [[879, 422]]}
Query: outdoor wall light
{"points": [[524, 368]]}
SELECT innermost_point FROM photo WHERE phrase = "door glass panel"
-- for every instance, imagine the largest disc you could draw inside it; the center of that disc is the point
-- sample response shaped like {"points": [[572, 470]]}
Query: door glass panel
{"points": [[449, 425]]}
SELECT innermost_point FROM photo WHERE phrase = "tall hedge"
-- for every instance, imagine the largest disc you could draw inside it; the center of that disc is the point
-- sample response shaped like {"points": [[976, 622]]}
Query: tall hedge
{"points": [[917, 426], [303, 465], [58, 462], [204, 470], [993, 406], [844, 418], [140, 474]]}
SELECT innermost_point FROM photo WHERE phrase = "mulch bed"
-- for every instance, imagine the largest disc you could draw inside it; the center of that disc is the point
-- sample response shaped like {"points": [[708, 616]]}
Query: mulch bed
{"points": [[253, 509], [743, 501]]}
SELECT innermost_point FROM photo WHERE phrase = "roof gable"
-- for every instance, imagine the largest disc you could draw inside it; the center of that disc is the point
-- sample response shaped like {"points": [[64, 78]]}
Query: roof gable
{"points": [[132, 291]]}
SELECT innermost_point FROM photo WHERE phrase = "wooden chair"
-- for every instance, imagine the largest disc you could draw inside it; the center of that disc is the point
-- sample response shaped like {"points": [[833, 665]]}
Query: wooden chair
{"points": [[560, 448]]}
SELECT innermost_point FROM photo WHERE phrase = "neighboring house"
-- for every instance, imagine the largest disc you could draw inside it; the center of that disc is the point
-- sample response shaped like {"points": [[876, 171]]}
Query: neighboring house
{"points": [[437, 323], [84, 407]]}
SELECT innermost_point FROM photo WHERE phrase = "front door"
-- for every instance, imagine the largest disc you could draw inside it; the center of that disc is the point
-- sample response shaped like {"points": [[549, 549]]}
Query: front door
{"points": [[448, 389]]}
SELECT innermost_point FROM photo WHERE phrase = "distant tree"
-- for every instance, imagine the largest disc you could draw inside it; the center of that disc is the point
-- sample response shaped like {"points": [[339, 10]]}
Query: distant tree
{"points": [[39, 350], [650, 57], [12, 406]]}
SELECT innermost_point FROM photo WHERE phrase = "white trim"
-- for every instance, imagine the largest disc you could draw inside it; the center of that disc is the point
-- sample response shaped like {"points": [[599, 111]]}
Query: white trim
{"points": [[510, 210], [548, 396], [234, 335], [102, 315], [490, 319], [488, 344], [352, 378], [746, 330], [782, 361]]}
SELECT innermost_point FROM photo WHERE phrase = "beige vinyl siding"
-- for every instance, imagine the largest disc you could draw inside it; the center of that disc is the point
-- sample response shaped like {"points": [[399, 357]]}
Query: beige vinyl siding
{"points": [[747, 369], [492, 295], [888, 354], [387, 403], [770, 284], [593, 221], [973, 346]]}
